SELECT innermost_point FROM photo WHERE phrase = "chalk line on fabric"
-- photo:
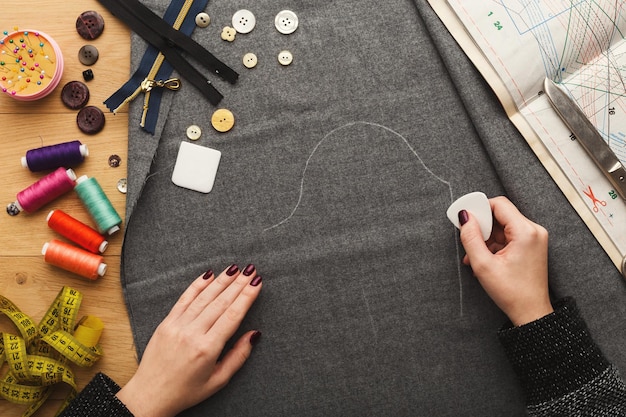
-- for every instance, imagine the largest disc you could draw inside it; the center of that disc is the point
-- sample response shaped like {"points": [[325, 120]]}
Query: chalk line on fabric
{"points": [[428, 170]]}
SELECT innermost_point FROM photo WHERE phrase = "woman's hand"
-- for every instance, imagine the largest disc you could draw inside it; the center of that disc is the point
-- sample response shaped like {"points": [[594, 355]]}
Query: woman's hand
{"points": [[180, 365], [512, 266]]}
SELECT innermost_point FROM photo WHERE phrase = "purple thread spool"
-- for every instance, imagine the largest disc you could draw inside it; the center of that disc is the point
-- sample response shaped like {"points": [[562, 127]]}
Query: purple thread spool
{"points": [[43, 191], [66, 154]]}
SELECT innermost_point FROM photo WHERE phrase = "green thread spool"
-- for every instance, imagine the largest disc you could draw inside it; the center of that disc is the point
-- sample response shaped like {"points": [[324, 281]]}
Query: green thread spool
{"points": [[98, 205]]}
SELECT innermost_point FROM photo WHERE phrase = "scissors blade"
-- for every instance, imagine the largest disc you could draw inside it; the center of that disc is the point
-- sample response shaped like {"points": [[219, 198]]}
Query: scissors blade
{"points": [[588, 136]]}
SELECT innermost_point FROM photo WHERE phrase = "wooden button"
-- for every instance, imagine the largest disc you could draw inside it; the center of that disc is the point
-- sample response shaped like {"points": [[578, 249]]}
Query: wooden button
{"points": [[223, 120]]}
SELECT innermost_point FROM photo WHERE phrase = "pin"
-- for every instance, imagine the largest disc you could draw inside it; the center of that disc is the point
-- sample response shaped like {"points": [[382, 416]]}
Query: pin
{"points": [[32, 64]]}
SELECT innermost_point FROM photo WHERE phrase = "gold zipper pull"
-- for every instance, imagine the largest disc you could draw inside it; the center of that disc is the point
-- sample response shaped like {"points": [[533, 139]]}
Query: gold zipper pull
{"points": [[146, 85], [171, 84]]}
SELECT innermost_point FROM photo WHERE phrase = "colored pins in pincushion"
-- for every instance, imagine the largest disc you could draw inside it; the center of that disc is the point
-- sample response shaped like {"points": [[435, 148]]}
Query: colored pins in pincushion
{"points": [[73, 259], [98, 205], [31, 64], [43, 191], [76, 231], [67, 154]]}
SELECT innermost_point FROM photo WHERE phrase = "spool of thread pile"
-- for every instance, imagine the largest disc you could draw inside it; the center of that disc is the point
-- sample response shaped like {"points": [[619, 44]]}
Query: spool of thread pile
{"points": [[76, 231], [73, 259], [98, 205], [47, 189], [67, 154]]}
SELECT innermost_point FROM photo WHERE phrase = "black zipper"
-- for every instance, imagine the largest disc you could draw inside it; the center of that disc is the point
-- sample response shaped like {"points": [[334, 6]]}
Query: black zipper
{"points": [[170, 42]]}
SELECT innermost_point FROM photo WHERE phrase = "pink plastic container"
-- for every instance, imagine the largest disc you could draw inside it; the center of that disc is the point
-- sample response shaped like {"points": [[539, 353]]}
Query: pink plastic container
{"points": [[31, 64]]}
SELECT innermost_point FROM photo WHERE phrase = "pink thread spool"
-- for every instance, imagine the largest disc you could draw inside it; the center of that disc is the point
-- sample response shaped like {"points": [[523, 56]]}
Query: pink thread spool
{"points": [[31, 65], [47, 189]]}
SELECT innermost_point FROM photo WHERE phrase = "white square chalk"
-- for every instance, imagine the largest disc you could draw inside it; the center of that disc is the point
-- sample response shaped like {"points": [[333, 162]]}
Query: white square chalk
{"points": [[196, 167]]}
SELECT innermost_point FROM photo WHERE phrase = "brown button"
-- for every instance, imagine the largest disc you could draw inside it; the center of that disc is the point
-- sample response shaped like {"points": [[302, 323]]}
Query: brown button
{"points": [[90, 25], [88, 55], [75, 95], [90, 120]]}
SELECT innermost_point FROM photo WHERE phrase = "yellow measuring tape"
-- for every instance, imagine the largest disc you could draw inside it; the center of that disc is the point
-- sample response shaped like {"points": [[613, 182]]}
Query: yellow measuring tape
{"points": [[38, 358]]}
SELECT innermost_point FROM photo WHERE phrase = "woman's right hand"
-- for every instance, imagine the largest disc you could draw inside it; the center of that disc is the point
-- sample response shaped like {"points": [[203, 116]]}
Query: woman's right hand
{"points": [[512, 266]]}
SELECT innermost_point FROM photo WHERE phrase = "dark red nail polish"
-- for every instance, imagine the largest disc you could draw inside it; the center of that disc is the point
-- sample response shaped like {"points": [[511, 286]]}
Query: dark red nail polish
{"points": [[232, 270], [208, 274], [463, 217], [256, 281], [249, 270], [255, 337]]}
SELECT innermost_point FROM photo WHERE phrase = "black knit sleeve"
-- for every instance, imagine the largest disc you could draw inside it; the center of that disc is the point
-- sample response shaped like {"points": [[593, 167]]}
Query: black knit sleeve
{"points": [[561, 369], [97, 400]]}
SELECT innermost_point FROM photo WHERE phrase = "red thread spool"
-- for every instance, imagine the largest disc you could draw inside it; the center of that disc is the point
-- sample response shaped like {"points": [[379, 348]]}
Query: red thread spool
{"points": [[77, 231], [73, 259], [47, 189]]}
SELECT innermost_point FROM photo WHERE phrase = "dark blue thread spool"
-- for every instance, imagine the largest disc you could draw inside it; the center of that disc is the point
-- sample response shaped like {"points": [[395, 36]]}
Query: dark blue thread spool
{"points": [[68, 154]]}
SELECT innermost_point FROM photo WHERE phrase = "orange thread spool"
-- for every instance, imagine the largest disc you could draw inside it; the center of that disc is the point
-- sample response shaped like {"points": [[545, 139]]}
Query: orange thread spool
{"points": [[77, 231], [73, 259]]}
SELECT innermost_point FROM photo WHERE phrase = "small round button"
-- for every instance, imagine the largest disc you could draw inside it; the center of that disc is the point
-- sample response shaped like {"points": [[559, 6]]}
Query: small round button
{"points": [[223, 120], [203, 20], [194, 132], [244, 21], [90, 120], [285, 57], [114, 161], [88, 55], [90, 25], [286, 22], [75, 95], [250, 60], [122, 185], [228, 34]]}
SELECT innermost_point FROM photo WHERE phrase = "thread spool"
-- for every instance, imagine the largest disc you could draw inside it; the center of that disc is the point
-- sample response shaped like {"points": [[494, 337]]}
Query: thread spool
{"points": [[31, 65], [67, 154], [98, 205], [76, 231], [74, 259], [47, 189]]}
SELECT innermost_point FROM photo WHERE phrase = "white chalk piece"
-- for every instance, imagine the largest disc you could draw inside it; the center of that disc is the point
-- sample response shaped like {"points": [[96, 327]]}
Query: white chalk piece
{"points": [[477, 204], [196, 167]]}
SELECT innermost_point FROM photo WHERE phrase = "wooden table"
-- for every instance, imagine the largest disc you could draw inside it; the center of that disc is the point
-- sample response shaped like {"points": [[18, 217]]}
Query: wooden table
{"points": [[24, 276]]}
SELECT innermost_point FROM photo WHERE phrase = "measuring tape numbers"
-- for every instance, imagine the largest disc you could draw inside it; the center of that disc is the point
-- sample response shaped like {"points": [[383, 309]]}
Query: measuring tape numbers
{"points": [[38, 358]]}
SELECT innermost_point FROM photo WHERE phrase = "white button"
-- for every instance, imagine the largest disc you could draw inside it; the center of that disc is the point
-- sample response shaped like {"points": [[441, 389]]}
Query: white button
{"points": [[194, 132], [286, 22], [203, 20], [122, 185], [285, 57], [250, 60], [228, 34], [244, 21]]}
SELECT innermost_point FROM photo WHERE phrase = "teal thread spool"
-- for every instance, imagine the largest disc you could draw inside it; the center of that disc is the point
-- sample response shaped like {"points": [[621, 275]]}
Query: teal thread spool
{"points": [[98, 205]]}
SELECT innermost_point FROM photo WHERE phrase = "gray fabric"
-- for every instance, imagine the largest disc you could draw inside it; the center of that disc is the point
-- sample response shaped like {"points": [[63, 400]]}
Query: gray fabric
{"points": [[334, 182]]}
